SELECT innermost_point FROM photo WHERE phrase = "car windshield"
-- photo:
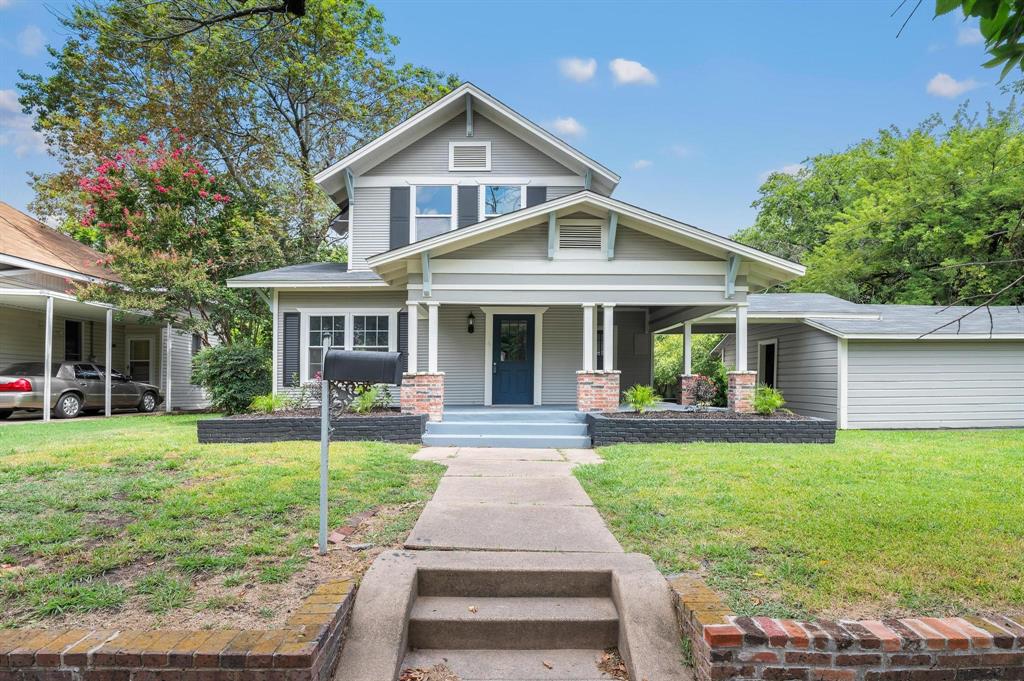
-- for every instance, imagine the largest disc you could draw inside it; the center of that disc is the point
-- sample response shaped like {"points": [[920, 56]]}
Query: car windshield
{"points": [[28, 369]]}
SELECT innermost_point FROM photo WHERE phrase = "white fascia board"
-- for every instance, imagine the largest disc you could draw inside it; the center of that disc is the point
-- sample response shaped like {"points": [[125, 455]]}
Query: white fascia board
{"points": [[493, 106], [784, 317], [915, 336], [285, 283], [50, 269], [585, 197]]}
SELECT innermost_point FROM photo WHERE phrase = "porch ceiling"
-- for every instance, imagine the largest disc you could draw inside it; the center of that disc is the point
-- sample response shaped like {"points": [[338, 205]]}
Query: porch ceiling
{"points": [[65, 305]]}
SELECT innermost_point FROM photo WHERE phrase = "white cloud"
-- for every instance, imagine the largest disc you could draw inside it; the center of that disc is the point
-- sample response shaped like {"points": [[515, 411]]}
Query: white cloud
{"points": [[642, 163], [679, 150], [568, 126], [16, 128], [788, 169], [969, 35], [5, 3], [580, 70], [628, 72], [945, 85], [31, 41]]}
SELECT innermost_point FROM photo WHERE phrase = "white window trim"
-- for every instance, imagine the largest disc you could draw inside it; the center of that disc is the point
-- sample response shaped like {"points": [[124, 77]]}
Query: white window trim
{"points": [[453, 217], [451, 156], [581, 254], [761, 358], [153, 342], [538, 345], [482, 192], [348, 313]]}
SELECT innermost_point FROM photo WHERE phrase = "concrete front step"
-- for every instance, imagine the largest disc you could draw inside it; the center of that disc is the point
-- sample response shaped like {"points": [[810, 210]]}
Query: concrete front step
{"points": [[530, 414], [506, 428], [524, 441], [512, 665], [512, 583], [463, 623]]}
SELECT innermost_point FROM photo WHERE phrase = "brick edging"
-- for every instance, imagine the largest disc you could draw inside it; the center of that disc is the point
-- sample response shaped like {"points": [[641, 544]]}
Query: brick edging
{"points": [[305, 649], [912, 649]]}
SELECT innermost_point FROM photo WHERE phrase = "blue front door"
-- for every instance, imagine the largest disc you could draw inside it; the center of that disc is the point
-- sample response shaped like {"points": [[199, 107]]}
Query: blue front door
{"points": [[512, 360]]}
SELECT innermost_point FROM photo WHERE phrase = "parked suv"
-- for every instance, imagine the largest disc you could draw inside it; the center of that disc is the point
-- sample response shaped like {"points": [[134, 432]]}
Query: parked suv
{"points": [[75, 388]]}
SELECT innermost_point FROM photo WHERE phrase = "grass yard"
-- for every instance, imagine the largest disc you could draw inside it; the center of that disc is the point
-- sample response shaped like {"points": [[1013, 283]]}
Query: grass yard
{"points": [[881, 523], [131, 521]]}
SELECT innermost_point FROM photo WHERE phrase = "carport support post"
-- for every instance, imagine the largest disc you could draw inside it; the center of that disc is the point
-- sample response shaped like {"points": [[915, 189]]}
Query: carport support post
{"points": [[325, 437], [48, 359], [109, 359], [167, 371]]}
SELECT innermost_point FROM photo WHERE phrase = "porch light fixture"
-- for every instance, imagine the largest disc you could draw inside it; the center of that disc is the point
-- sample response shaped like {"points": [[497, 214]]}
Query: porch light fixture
{"points": [[470, 320]]}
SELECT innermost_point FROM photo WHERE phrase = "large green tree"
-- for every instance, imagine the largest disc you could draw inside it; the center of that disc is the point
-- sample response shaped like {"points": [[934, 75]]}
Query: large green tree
{"points": [[268, 100], [931, 215]]}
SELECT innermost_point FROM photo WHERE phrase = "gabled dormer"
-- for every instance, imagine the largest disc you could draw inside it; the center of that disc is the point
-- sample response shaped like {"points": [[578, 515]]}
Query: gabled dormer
{"points": [[458, 162]]}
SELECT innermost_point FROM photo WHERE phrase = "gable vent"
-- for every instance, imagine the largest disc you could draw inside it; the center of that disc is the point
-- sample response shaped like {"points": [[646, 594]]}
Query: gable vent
{"points": [[469, 156], [579, 237]]}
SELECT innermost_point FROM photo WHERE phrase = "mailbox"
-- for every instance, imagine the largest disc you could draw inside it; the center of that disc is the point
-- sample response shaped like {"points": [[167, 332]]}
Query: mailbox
{"points": [[363, 366]]}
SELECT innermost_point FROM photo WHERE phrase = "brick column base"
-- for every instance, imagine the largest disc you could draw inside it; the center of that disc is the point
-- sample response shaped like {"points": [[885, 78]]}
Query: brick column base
{"points": [[597, 390], [423, 393], [741, 391], [686, 381]]}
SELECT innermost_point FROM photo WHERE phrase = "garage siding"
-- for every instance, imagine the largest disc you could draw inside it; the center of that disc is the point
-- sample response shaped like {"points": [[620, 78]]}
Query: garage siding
{"points": [[935, 384]]}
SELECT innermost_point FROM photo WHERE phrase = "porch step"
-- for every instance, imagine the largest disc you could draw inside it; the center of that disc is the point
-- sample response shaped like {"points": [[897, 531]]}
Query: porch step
{"points": [[512, 665], [523, 623], [517, 414], [521, 441], [507, 428]]}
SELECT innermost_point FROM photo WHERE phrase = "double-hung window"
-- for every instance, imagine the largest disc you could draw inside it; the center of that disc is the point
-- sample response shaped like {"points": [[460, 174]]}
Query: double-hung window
{"points": [[500, 199], [319, 327], [432, 211], [371, 330]]}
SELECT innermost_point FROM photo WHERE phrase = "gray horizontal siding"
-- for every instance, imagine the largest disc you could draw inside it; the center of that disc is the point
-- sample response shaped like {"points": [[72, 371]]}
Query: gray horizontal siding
{"points": [[559, 192], [184, 395], [563, 354], [633, 351], [632, 244], [935, 384], [509, 154], [371, 233], [529, 243]]}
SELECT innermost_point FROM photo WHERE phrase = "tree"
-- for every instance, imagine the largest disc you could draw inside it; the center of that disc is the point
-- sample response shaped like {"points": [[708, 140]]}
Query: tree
{"points": [[1002, 25], [266, 100], [174, 231], [931, 215]]}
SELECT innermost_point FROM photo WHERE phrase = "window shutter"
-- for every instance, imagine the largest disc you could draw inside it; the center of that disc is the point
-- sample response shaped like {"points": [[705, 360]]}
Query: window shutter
{"points": [[290, 357], [536, 195], [399, 217], [469, 206], [403, 339]]}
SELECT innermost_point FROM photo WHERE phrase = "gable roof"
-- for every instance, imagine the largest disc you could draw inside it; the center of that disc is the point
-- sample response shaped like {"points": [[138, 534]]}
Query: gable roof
{"points": [[331, 179], [26, 242], [781, 268]]}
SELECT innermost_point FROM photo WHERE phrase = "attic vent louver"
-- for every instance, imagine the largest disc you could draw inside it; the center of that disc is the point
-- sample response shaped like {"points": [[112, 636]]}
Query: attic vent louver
{"points": [[469, 156], [579, 237]]}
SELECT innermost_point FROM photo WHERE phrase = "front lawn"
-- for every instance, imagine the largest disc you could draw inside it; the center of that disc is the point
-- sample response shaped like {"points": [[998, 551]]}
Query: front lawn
{"points": [[130, 521], [881, 523]]}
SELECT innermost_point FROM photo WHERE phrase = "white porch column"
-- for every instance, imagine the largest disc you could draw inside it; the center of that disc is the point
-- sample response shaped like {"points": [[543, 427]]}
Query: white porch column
{"points": [[588, 336], [687, 348], [109, 361], [432, 337], [48, 359], [608, 340], [274, 331], [167, 371], [413, 340], [741, 338]]}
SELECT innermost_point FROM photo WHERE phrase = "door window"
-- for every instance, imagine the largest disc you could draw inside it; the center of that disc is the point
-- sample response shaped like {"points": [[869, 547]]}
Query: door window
{"points": [[514, 334], [140, 359], [72, 340]]}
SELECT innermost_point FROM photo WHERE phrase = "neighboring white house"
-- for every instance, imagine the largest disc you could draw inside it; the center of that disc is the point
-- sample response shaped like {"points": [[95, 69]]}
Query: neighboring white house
{"points": [[39, 268], [493, 255]]}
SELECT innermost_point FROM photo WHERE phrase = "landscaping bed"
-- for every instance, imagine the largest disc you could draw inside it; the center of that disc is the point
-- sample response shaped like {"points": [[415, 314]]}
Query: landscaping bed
{"points": [[659, 426], [130, 523], [386, 425]]}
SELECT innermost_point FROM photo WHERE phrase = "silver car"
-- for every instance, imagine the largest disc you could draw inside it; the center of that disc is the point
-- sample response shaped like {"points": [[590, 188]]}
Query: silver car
{"points": [[76, 388]]}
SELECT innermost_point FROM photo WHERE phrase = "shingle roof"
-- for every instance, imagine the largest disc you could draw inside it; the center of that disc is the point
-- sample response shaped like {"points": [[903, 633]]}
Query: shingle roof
{"points": [[781, 303], [24, 237], [318, 272]]}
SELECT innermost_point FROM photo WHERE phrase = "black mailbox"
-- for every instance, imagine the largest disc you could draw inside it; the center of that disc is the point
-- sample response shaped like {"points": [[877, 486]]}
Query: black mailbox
{"points": [[363, 366]]}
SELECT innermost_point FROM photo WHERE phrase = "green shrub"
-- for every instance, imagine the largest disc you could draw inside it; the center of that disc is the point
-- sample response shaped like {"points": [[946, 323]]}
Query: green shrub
{"points": [[703, 391], [767, 400], [232, 375], [269, 403], [640, 398], [370, 397]]}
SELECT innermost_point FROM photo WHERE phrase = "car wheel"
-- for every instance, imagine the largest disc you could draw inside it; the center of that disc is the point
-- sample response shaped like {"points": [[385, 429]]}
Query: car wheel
{"points": [[5, 413], [68, 406], [147, 403]]}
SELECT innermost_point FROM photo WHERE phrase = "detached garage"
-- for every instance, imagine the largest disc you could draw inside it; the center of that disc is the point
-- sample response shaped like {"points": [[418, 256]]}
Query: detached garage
{"points": [[887, 366]]}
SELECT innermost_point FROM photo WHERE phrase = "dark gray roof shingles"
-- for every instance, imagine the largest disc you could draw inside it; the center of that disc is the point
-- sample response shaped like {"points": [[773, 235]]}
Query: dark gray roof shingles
{"points": [[312, 272]]}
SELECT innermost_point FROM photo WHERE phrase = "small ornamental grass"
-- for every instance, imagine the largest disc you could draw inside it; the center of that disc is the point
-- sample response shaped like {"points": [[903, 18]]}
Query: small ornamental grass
{"points": [[269, 403], [767, 400], [640, 398]]}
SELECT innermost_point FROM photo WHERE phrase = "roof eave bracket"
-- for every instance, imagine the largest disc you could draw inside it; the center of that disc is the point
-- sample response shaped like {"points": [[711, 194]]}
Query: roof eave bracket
{"points": [[730, 275], [613, 224], [469, 115], [350, 183], [552, 228], [425, 262], [588, 179]]}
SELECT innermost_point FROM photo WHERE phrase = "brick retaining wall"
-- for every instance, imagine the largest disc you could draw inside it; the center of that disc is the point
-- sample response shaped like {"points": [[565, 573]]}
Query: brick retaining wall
{"points": [[405, 428], [306, 649], [607, 430], [915, 649]]}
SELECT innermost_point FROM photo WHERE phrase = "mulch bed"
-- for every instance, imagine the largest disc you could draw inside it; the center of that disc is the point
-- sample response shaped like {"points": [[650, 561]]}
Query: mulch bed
{"points": [[703, 415], [303, 413]]}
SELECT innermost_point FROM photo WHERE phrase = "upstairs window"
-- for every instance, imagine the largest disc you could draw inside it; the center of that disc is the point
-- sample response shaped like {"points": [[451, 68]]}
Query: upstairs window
{"points": [[501, 199], [469, 156], [432, 211]]}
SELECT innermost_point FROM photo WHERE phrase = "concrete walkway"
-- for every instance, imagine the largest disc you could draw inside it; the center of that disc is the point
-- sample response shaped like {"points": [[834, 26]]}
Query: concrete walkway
{"points": [[510, 500]]}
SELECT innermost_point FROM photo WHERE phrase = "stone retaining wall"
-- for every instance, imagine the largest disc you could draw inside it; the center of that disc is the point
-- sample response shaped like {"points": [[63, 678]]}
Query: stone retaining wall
{"points": [[306, 649], [917, 649], [607, 430], [404, 428]]}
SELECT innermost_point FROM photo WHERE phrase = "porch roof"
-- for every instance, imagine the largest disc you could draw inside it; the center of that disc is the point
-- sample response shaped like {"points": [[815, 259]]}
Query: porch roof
{"points": [[65, 304], [307, 275]]}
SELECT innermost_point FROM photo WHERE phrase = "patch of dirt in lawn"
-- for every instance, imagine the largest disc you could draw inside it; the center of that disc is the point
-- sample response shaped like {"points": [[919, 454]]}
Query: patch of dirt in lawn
{"points": [[249, 604]]}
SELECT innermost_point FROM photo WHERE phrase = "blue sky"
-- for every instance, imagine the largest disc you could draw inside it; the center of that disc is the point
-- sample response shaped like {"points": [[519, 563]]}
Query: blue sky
{"points": [[692, 103]]}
